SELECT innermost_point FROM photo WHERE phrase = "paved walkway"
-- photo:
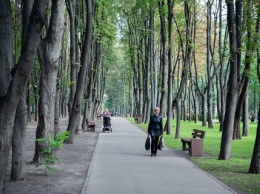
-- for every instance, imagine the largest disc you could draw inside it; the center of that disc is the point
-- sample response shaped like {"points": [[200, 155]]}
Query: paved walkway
{"points": [[121, 165]]}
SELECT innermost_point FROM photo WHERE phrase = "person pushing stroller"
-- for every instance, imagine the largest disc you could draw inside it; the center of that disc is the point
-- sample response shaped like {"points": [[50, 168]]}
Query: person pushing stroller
{"points": [[107, 121]]}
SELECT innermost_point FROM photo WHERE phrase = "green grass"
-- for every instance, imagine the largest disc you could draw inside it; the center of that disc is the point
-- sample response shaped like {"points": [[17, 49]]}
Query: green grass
{"points": [[233, 172]]}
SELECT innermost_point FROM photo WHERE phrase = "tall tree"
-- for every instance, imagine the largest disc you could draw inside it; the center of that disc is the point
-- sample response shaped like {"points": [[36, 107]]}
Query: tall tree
{"points": [[255, 161], [75, 111], [9, 103], [241, 83], [6, 63], [249, 53], [231, 98], [185, 57], [49, 54], [245, 116], [71, 7], [221, 80], [20, 124], [210, 60], [161, 5], [170, 67]]}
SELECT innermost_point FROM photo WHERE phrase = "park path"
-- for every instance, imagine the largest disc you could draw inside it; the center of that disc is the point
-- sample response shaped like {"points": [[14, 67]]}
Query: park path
{"points": [[120, 164]]}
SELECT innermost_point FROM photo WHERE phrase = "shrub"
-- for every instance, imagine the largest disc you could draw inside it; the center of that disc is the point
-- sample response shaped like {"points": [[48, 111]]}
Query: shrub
{"points": [[49, 151]]}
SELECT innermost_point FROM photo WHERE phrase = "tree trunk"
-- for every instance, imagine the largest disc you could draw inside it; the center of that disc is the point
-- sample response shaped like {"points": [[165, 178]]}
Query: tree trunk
{"points": [[146, 77], [19, 141], [245, 116], [27, 8], [6, 63], [20, 124], [71, 7], [170, 68], [57, 103], [236, 133], [255, 161], [194, 95], [139, 80], [183, 104], [231, 99], [220, 92], [238, 18], [49, 54], [161, 5], [75, 112], [21, 76], [204, 114], [35, 84], [209, 65], [189, 103], [219, 107], [85, 117], [223, 80], [237, 121], [251, 46], [255, 104], [153, 67], [178, 120]]}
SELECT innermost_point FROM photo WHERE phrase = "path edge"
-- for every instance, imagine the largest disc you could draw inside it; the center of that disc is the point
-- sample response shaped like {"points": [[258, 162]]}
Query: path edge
{"points": [[87, 177]]}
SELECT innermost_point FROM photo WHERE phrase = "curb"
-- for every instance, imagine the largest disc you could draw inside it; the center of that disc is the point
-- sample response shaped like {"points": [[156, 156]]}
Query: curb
{"points": [[85, 184]]}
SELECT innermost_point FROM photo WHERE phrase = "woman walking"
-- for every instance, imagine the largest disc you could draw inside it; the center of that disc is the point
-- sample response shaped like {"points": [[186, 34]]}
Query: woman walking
{"points": [[155, 129]]}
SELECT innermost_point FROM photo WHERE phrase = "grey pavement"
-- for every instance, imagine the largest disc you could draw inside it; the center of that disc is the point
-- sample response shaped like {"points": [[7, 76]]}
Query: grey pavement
{"points": [[121, 165]]}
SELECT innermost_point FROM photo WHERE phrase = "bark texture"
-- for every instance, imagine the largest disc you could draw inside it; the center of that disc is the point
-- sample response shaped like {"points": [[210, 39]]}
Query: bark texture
{"points": [[6, 61], [19, 141], [18, 85], [255, 161], [6, 129], [49, 53], [75, 111], [21, 118], [231, 98], [71, 7]]}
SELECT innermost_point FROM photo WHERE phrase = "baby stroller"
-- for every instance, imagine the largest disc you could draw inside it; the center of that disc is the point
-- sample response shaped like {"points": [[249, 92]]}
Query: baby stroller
{"points": [[107, 124]]}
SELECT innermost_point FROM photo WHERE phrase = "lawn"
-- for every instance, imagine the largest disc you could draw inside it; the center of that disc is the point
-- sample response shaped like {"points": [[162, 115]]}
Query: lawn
{"points": [[233, 172]]}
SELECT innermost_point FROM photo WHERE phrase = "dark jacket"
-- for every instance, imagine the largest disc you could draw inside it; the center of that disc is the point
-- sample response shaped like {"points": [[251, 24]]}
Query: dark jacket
{"points": [[155, 127]]}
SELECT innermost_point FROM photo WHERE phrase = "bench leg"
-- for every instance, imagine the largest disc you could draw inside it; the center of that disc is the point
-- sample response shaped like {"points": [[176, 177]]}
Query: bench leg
{"points": [[184, 148], [91, 128]]}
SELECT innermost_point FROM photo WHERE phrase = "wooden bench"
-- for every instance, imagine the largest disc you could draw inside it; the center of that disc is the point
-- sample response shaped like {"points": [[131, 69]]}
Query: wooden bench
{"points": [[91, 125], [195, 144]]}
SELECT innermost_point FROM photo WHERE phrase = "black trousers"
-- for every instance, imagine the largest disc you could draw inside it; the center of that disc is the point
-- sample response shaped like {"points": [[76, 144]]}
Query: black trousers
{"points": [[155, 141]]}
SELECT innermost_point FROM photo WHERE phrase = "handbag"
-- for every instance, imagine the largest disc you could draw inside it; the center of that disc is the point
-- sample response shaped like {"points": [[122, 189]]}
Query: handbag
{"points": [[148, 143], [160, 143]]}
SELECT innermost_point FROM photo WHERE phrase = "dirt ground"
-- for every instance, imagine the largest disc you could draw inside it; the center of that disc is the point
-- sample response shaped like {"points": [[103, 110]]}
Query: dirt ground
{"points": [[71, 169]]}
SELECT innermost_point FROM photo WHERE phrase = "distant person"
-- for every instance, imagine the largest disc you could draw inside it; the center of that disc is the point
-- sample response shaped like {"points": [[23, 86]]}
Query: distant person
{"points": [[107, 113], [106, 118], [155, 129]]}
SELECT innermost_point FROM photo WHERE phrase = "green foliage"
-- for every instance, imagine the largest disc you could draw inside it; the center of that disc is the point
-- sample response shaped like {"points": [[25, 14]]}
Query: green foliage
{"points": [[49, 151]]}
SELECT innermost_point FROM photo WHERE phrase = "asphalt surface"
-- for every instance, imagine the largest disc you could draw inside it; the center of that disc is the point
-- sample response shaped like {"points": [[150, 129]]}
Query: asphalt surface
{"points": [[121, 165]]}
